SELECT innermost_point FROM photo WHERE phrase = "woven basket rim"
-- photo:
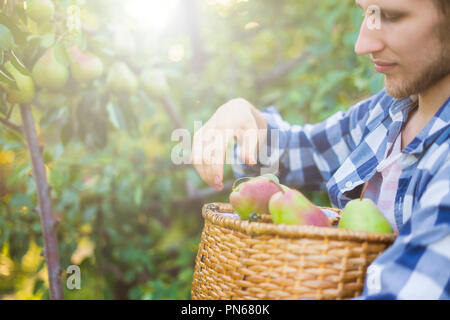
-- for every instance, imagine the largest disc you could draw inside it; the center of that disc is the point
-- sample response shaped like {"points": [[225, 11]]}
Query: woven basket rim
{"points": [[288, 231]]}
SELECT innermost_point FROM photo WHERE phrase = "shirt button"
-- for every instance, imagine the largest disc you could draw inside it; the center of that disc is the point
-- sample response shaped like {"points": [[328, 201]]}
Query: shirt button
{"points": [[348, 184]]}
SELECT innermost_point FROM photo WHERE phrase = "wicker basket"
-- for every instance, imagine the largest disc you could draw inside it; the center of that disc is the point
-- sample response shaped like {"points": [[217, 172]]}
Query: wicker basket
{"points": [[244, 260]]}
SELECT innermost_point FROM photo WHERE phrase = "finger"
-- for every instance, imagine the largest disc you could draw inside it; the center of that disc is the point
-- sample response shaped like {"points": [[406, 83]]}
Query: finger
{"points": [[248, 144], [214, 155], [196, 150], [197, 155], [216, 167]]}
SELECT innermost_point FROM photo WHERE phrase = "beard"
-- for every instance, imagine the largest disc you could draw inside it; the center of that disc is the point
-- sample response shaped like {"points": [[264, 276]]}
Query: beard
{"points": [[436, 69]]}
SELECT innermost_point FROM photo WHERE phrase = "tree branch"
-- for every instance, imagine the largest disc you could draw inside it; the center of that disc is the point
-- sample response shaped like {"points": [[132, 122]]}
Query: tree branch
{"points": [[195, 196], [10, 125], [45, 204], [10, 112], [200, 194], [171, 110]]}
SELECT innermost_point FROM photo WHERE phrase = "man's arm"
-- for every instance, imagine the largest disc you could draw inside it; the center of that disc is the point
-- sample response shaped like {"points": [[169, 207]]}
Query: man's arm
{"points": [[417, 265], [307, 156]]}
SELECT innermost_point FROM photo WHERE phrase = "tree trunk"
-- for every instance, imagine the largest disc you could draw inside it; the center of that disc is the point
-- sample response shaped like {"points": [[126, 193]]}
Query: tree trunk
{"points": [[45, 204]]}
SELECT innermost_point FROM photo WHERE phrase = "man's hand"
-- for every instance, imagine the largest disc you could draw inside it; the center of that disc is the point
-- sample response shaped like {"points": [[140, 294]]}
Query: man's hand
{"points": [[236, 119]]}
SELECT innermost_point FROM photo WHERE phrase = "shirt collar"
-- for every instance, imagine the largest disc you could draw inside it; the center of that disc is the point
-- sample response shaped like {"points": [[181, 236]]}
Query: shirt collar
{"points": [[399, 111]]}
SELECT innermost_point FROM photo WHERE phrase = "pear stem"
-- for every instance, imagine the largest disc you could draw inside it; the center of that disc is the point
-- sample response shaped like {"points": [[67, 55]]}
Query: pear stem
{"points": [[278, 185], [364, 190], [239, 181]]}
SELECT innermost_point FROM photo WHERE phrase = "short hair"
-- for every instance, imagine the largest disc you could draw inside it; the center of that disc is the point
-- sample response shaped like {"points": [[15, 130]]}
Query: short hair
{"points": [[443, 6]]}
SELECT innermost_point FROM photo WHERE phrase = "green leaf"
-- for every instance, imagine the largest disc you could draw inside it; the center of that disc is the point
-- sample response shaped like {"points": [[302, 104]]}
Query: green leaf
{"points": [[48, 40], [115, 116], [90, 213], [99, 132], [19, 35], [18, 64], [138, 192], [66, 132], [6, 38], [19, 200], [51, 115], [21, 13], [5, 78]]}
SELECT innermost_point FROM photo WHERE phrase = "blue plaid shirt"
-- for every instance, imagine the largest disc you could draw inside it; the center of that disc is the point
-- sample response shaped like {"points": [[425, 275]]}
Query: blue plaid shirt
{"points": [[342, 152]]}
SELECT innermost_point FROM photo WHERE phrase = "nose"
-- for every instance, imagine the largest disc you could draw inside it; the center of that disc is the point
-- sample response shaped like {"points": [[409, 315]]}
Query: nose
{"points": [[368, 40]]}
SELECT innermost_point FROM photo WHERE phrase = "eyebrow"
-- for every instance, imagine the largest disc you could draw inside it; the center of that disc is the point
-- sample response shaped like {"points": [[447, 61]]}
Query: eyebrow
{"points": [[385, 10]]}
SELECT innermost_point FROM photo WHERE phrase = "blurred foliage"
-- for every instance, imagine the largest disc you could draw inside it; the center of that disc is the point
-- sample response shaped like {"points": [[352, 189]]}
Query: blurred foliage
{"points": [[125, 216]]}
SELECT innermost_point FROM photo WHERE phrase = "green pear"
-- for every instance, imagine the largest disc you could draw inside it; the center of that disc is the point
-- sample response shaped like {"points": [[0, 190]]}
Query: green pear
{"points": [[253, 196], [24, 93], [293, 208], [40, 10], [85, 66], [49, 73], [364, 215], [121, 80]]}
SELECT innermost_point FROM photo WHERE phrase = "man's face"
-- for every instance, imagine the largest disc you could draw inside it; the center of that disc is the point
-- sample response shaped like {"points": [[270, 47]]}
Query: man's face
{"points": [[405, 46]]}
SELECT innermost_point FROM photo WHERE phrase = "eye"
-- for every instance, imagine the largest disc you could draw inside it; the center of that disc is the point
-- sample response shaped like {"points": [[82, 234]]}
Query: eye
{"points": [[389, 18]]}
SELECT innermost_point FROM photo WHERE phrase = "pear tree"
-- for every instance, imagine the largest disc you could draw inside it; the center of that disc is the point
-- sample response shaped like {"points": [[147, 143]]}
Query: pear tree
{"points": [[53, 62]]}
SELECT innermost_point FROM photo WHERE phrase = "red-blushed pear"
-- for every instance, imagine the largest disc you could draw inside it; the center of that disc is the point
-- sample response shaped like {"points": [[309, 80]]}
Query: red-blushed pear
{"points": [[272, 177], [40, 10], [253, 196], [49, 73], [275, 179], [24, 93], [293, 208], [85, 66]]}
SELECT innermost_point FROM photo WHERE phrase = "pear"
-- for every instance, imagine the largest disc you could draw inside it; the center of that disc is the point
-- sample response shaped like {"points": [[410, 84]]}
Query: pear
{"points": [[24, 93], [85, 66], [293, 208], [49, 73], [253, 196], [272, 177], [363, 214], [121, 80], [40, 10]]}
